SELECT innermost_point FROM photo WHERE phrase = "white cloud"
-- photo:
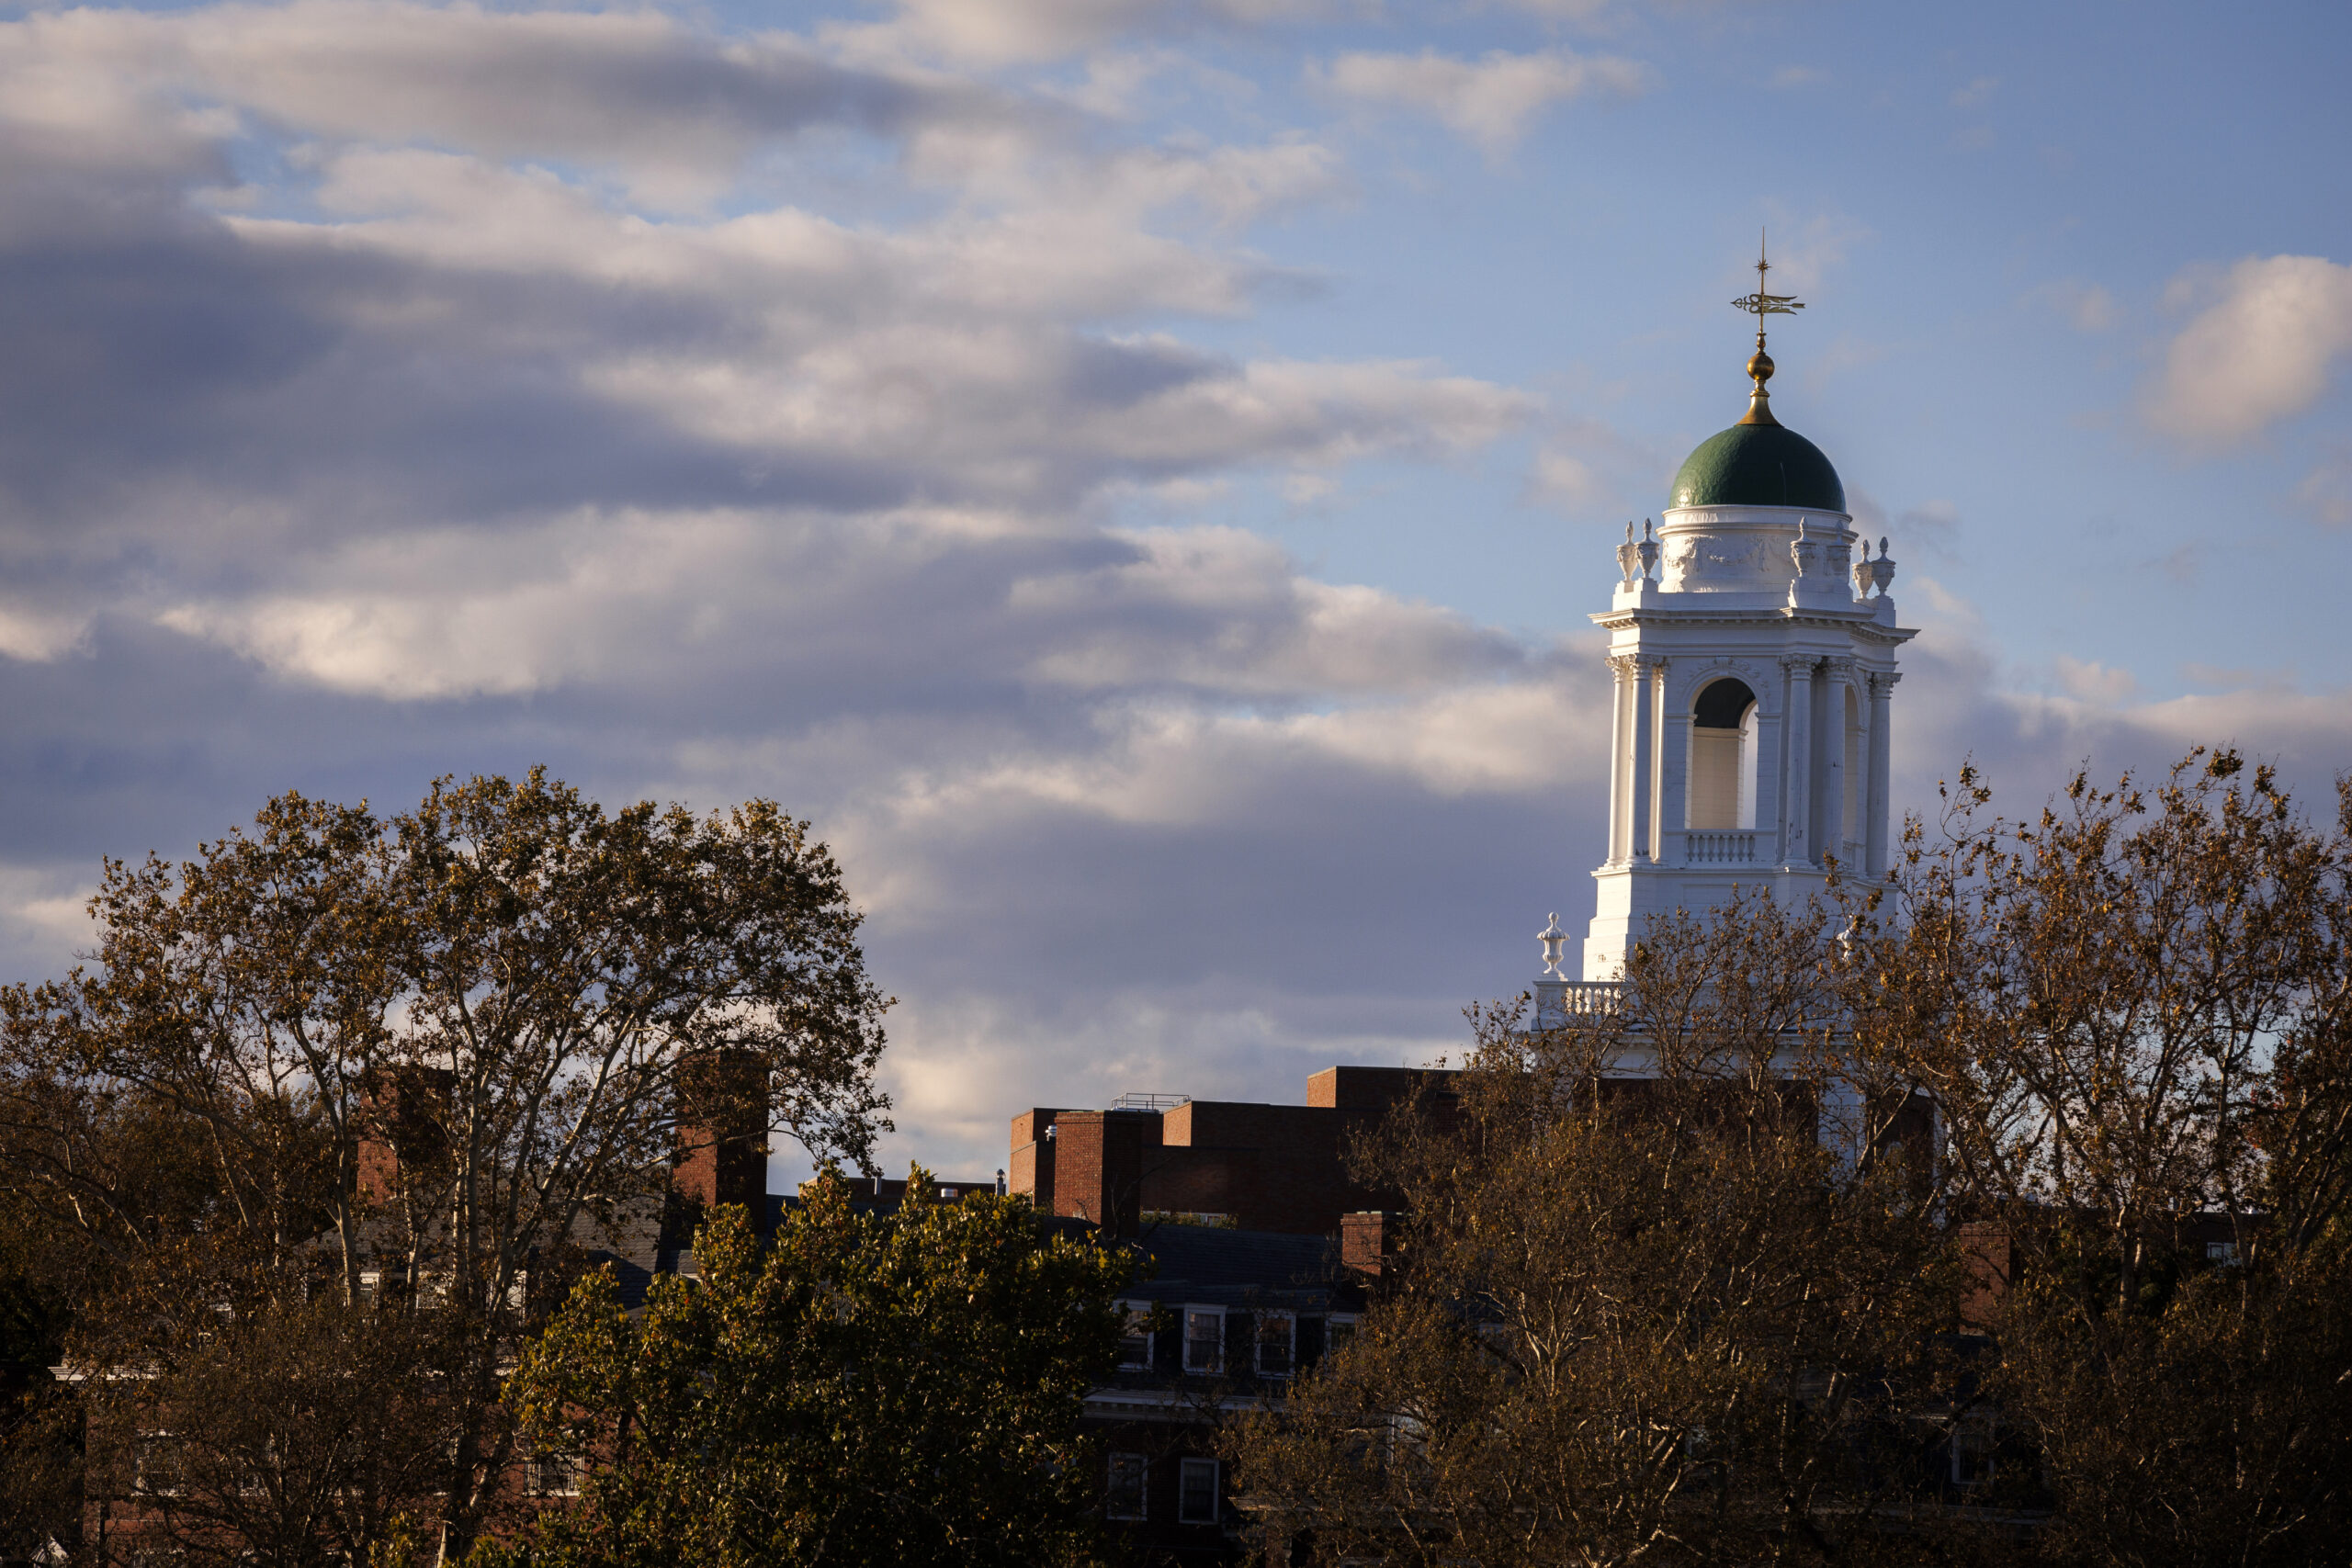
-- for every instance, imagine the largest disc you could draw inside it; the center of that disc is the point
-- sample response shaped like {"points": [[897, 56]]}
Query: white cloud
{"points": [[1490, 101], [451, 444], [44, 907], [2259, 353], [1804, 253], [2094, 683], [43, 633], [1975, 92], [2087, 307], [1008, 32], [2327, 491], [673, 108]]}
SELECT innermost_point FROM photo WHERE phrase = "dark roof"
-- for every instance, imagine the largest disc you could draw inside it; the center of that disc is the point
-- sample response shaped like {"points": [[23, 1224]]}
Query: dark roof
{"points": [[1201, 1263], [1758, 465]]}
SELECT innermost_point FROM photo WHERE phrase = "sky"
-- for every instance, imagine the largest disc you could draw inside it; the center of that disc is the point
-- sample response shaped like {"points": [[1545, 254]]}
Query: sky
{"points": [[1134, 473]]}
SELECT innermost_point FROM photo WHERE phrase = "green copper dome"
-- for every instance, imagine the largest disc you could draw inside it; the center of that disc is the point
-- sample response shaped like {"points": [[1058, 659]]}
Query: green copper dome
{"points": [[1758, 465]]}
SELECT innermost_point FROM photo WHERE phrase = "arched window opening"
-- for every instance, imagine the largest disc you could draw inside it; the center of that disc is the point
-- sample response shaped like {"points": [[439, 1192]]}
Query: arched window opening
{"points": [[1723, 756]]}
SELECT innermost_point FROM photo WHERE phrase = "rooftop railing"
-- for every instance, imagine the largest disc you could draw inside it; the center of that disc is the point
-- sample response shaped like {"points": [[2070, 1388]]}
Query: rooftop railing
{"points": [[1150, 1102]]}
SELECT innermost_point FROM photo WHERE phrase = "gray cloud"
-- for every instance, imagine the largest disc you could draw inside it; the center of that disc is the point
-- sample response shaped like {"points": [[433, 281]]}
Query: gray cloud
{"points": [[446, 453]]}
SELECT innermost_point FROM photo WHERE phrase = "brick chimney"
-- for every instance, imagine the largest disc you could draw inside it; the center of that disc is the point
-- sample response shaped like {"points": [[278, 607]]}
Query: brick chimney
{"points": [[399, 1124], [1097, 1166], [1368, 1241], [1033, 1156], [722, 1133], [1990, 1254]]}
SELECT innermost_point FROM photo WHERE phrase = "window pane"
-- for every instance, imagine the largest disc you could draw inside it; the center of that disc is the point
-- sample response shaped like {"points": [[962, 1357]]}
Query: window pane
{"points": [[1276, 1343], [552, 1476], [1204, 1341], [1135, 1344], [1972, 1453], [159, 1464], [1196, 1503], [1124, 1495]]}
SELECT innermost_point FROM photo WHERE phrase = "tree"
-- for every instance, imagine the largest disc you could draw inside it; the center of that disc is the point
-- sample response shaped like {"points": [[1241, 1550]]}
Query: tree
{"points": [[264, 1431], [40, 1424], [872, 1389], [506, 989], [2134, 1014], [1658, 1321]]}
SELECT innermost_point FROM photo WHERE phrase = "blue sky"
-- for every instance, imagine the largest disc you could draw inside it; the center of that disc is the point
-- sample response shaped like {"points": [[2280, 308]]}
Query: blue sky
{"points": [[1133, 472]]}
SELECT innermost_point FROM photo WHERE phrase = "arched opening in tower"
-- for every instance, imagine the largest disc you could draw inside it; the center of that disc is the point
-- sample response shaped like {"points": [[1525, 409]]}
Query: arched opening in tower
{"points": [[1723, 756]]}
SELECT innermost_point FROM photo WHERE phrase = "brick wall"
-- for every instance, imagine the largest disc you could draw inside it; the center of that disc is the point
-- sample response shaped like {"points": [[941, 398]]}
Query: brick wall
{"points": [[722, 1153], [1271, 1167], [1031, 1168], [1099, 1166]]}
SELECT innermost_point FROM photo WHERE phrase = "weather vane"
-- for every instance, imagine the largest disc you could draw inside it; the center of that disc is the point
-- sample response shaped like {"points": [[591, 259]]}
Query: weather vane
{"points": [[1760, 304]]}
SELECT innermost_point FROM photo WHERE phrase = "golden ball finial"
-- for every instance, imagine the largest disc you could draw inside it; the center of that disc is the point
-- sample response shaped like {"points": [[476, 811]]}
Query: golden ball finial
{"points": [[1760, 401]]}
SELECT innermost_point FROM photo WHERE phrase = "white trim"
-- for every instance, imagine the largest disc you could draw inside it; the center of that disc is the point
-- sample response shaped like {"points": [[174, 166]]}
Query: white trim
{"points": [[1218, 1313], [1143, 1487], [1266, 1319], [1127, 1330], [1186, 1469], [1978, 1431]]}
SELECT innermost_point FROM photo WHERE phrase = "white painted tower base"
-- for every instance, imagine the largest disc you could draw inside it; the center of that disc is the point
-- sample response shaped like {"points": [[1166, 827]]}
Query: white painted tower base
{"points": [[1754, 682]]}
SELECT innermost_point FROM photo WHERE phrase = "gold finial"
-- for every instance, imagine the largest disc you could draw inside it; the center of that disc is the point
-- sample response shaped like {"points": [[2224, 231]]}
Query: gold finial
{"points": [[1760, 304]]}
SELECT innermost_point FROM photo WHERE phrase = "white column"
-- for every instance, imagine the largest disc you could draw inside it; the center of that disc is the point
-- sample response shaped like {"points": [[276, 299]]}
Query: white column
{"points": [[1645, 757], [1836, 674], [1882, 773], [1796, 781], [1673, 771], [1620, 763]]}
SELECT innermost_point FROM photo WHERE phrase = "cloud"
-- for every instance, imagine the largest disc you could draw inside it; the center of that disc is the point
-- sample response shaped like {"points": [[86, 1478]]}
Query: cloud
{"points": [[2087, 307], [2093, 682], [1009, 32], [2258, 353], [1805, 251], [380, 402], [1490, 101], [2327, 492], [674, 108], [1586, 466], [1930, 529], [1792, 77], [1975, 92]]}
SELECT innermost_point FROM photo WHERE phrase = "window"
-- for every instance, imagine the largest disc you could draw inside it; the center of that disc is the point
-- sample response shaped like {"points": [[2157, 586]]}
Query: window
{"points": [[1721, 788], [1277, 1344], [1196, 1492], [552, 1476], [222, 1314], [2224, 1253], [157, 1459], [1203, 1339], [1124, 1494], [1971, 1451], [1338, 1329], [1135, 1341]]}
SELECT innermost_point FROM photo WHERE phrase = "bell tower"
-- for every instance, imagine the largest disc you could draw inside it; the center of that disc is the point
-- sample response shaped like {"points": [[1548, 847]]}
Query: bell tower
{"points": [[1753, 654]]}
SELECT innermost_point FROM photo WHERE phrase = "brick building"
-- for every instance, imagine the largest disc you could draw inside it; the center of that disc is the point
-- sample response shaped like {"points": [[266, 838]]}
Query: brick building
{"points": [[1250, 1167], [1259, 1249]]}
